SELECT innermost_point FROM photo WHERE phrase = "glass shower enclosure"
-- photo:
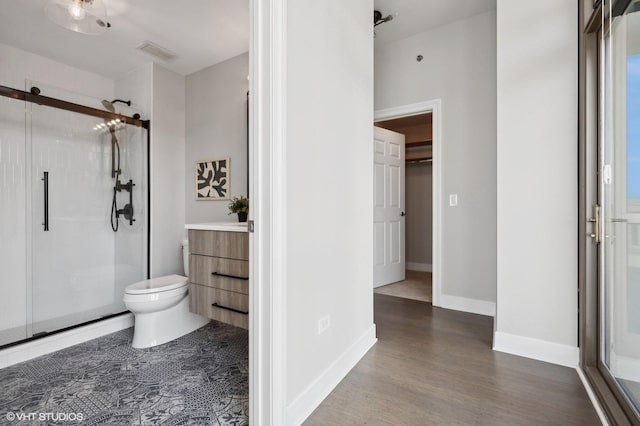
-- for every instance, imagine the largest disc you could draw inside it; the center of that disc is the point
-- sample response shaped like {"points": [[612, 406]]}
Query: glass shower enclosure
{"points": [[73, 213]]}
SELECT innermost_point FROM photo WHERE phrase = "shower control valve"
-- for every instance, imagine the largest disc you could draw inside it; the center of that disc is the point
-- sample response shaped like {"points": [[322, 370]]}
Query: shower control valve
{"points": [[127, 212], [127, 186]]}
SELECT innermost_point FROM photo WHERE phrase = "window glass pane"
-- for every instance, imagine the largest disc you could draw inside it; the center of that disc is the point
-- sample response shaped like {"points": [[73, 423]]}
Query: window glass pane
{"points": [[633, 128], [620, 200]]}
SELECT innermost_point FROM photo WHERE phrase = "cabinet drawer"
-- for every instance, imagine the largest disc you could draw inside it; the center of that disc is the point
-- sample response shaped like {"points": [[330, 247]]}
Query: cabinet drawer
{"points": [[218, 272], [230, 245], [230, 309]]}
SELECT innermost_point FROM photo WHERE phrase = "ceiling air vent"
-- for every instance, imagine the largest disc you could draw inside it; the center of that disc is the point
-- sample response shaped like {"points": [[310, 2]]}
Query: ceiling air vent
{"points": [[157, 52]]}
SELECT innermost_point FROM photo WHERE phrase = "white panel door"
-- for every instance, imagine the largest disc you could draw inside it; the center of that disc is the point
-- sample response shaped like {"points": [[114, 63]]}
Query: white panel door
{"points": [[388, 207]]}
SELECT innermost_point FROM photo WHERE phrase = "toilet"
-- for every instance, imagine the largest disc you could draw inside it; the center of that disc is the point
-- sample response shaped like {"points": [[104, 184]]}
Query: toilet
{"points": [[161, 308]]}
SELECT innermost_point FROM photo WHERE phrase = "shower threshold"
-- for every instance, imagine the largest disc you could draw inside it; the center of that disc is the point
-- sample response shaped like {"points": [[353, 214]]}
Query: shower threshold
{"points": [[18, 335]]}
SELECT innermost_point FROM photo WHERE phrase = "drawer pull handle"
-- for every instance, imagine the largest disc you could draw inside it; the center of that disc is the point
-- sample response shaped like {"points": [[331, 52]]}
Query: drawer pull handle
{"points": [[229, 309], [229, 276]]}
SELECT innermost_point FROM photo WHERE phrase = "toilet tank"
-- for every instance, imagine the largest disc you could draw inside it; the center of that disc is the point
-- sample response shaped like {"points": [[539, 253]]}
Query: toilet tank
{"points": [[185, 256]]}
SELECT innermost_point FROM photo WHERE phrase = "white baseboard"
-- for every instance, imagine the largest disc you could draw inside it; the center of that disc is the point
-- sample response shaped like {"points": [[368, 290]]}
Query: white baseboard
{"points": [[421, 267], [474, 306], [541, 350], [314, 394], [55, 342], [592, 397]]}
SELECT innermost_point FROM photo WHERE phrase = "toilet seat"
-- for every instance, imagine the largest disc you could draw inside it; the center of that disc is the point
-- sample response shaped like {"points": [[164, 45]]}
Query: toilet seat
{"points": [[157, 285], [156, 297]]}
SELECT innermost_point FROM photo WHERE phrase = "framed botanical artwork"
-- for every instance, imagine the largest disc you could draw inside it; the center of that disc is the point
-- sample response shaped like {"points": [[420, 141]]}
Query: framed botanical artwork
{"points": [[212, 179]]}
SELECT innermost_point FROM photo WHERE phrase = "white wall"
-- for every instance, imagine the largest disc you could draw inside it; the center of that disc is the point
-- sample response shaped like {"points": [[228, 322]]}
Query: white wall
{"points": [[17, 65], [216, 127], [167, 171], [459, 67], [329, 167], [537, 176], [418, 203], [136, 86]]}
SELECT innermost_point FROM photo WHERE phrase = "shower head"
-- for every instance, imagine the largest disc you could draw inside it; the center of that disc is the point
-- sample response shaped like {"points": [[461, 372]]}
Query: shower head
{"points": [[109, 104]]}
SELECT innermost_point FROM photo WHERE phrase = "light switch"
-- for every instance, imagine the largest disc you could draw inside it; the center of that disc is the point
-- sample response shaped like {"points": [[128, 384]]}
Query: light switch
{"points": [[453, 199]]}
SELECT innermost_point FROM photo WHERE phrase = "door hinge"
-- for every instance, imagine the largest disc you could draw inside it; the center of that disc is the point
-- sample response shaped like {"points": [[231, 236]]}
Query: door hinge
{"points": [[250, 226]]}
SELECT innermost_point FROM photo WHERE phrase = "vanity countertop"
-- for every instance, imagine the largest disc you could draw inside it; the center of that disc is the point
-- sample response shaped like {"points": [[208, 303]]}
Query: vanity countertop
{"points": [[219, 226]]}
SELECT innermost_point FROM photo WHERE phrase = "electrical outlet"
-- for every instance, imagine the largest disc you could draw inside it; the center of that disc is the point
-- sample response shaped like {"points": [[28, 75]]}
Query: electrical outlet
{"points": [[324, 323], [453, 200]]}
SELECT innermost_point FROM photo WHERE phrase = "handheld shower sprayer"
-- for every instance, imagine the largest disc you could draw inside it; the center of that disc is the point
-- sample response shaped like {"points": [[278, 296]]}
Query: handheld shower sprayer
{"points": [[115, 167], [127, 212], [115, 154]]}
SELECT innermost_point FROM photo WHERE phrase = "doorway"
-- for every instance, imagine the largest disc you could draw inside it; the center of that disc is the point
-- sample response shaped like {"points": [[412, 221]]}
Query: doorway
{"points": [[420, 126], [610, 209], [417, 213]]}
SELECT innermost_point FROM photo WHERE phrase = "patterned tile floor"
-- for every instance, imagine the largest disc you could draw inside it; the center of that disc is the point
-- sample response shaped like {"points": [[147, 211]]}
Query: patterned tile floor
{"points": [[201, 378]]}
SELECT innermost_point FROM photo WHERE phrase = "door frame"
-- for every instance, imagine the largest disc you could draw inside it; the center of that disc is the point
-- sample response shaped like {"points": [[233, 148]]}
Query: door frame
{"points": [[267, 192], [611, 402], [435, 108]]}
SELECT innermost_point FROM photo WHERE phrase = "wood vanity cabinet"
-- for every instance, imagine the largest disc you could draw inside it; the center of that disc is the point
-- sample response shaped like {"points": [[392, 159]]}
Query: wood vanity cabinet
{"points": [[219, 276]]}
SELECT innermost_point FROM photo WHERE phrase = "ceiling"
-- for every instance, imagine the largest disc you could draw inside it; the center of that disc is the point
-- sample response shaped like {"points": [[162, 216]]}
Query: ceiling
{"points": [[200, 33], [415, 16]]}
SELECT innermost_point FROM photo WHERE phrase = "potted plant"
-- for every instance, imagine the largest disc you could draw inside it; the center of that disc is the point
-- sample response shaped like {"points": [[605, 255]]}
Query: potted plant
{"points": [[239, 205]]}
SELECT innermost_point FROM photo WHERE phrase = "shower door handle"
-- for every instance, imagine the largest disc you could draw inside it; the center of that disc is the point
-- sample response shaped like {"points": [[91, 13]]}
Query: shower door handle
{"points": [[45, 179]]}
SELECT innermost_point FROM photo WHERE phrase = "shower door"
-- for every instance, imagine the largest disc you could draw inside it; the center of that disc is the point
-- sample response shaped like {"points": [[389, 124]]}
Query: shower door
{"points": [[72, 242], [13, 244], [80, 264], [64, 260]]}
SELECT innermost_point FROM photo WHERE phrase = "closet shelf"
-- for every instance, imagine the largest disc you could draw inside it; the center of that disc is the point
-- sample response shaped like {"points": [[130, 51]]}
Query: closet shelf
{"points": [[419, 160], [418, 143]]}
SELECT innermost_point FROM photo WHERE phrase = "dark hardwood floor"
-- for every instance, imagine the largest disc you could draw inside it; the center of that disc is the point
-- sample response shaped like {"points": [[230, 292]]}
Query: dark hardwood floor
{"points": [[433, 366]]}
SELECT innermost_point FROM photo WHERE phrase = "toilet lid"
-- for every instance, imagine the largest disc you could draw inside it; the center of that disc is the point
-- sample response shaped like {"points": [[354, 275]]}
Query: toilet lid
{"points": [[155, 285]]}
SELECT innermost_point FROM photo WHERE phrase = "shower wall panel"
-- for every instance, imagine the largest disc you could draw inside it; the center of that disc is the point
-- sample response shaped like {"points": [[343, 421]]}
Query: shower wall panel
{"points": [[70, 83], [13, 225], [131, 239]]}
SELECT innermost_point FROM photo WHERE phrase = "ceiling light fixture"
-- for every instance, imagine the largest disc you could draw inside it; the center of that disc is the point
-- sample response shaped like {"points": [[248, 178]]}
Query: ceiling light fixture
{"points": [[81, 16], [76, 10]]}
